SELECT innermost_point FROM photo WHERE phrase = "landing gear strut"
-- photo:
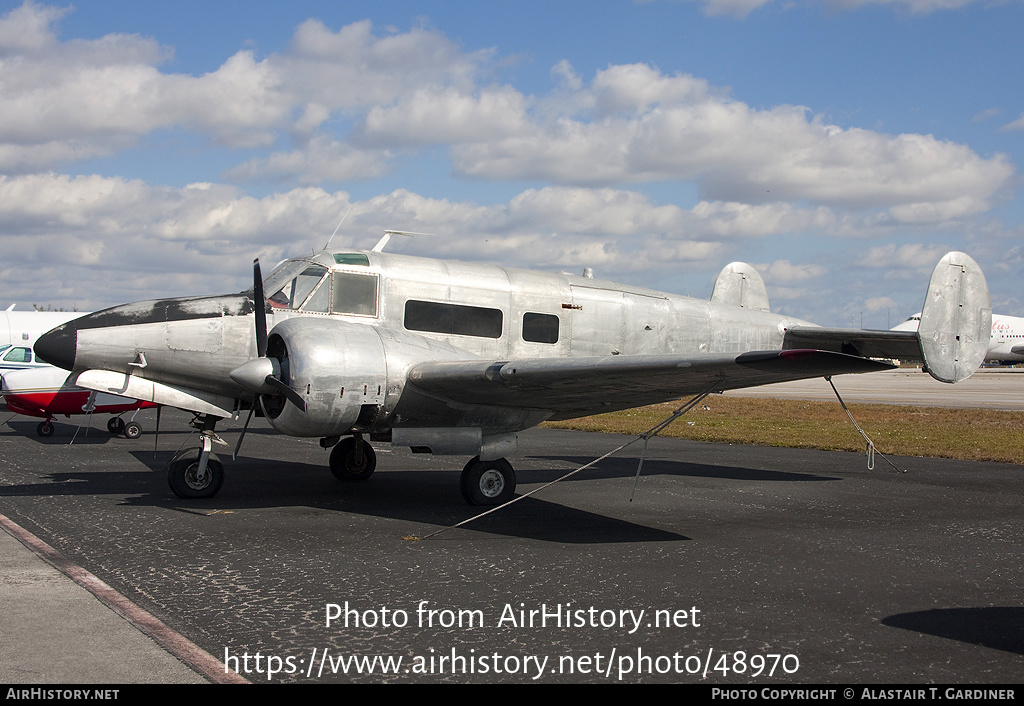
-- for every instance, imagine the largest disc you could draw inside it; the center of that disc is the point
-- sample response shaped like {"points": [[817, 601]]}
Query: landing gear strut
{"points": [[197, 473], [353, 459], [186, 479], [488, 482]]}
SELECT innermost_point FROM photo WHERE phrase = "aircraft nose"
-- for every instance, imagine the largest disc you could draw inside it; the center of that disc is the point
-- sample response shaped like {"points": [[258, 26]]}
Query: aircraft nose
{"points": [[58, 347]]}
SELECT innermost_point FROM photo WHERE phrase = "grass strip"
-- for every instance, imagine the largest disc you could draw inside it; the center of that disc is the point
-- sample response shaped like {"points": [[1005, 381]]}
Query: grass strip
{"points": [[966, 434]]}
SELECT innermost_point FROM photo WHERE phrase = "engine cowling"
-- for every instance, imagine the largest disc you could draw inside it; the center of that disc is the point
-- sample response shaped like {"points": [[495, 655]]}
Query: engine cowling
{"points": [[338, 367]]}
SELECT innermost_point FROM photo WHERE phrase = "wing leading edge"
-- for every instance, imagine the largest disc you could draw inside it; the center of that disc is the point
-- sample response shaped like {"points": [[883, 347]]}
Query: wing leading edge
{"points": [[577, 387]]}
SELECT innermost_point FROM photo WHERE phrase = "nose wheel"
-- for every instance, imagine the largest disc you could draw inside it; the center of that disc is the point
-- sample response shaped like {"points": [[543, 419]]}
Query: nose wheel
{"points": [[197, 473], [189, 480], [488, 482]]}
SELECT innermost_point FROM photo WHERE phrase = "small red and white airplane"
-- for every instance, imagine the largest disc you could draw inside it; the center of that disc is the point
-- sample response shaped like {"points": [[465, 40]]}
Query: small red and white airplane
{"points": [[48, 391]]}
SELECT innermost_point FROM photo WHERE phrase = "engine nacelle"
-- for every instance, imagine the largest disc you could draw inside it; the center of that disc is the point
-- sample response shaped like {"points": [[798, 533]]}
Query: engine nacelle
{"points": [[339, 369]]}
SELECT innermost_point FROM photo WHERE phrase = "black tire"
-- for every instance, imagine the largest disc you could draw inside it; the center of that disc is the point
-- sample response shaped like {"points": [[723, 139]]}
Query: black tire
{"points": [[115, 425], [132, 430], [181, 476], [45, 429], [344, 465], [488, 482]]}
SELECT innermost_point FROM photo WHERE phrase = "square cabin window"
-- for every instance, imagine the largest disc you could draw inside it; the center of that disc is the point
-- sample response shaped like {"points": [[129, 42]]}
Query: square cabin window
{"points": [[540, 328]]}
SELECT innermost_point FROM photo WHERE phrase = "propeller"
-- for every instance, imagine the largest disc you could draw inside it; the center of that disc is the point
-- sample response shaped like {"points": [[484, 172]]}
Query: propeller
{"points": [[262, 375]]}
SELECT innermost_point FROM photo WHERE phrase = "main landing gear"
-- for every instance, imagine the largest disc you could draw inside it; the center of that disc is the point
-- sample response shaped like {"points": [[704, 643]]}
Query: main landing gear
{"points": [[353, 459], [131, 430], [482, 482], [115, 426], [488, 482]]}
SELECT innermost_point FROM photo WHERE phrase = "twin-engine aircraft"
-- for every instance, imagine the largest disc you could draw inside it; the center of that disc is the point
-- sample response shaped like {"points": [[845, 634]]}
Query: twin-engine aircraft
{"points": [[455, 358]]}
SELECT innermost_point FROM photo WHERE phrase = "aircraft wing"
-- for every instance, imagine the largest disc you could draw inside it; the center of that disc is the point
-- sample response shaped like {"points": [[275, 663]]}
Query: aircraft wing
{"points": [[904, 345], [576, 387]]}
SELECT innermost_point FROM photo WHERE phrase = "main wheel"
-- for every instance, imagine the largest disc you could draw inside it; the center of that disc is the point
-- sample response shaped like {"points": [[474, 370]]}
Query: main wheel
{"points": [[347, 464], [184, 479], [115, 425], [45, 428], [488, 482], [132, 430]]}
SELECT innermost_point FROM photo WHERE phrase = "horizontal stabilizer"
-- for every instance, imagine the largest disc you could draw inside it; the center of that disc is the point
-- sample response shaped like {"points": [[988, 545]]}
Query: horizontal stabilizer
{"points": [[902, 345], [955, 330], [739, 284]]}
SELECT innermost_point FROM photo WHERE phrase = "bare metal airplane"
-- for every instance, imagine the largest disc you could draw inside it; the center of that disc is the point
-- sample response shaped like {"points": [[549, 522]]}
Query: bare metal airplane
{"points": [[455, 358]]}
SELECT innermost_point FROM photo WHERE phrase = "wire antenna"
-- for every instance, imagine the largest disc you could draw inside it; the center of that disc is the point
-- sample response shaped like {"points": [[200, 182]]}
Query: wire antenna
{"points": [[339, 227]]}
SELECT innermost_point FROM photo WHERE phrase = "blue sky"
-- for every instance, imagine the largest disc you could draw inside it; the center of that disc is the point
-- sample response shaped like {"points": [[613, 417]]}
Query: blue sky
{"points": [[154, 149]]}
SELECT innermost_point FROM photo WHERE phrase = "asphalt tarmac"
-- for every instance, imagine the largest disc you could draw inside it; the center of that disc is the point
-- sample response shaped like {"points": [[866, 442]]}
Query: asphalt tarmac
{"points": [[732, 564]]}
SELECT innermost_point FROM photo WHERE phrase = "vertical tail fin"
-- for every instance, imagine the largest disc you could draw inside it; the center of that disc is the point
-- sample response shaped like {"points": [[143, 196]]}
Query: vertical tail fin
{"points": [[739, 284], [956, 320]]}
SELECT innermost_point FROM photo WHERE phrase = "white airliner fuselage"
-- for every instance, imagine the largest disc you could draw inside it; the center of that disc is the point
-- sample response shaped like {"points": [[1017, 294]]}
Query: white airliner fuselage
{"points": [[1007, 345]]}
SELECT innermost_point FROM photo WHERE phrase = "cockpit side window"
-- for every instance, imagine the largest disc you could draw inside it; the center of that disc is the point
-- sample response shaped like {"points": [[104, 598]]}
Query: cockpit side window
{"points": [[295, 290]]}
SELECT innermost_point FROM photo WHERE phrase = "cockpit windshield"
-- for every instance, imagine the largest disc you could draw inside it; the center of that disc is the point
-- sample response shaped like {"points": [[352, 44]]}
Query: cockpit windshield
{"points": [[290, 284]]}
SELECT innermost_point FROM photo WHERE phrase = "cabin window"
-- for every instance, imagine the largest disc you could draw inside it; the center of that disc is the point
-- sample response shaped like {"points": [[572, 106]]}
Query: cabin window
{"points": [[453, 319], [354, 294], [540, 328], [295, 291]]}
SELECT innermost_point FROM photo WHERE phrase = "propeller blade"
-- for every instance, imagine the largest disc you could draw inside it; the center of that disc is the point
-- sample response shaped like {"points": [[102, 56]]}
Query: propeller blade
{"points": [[156, 437], [241, 436], [261, 309], [294, 397]]}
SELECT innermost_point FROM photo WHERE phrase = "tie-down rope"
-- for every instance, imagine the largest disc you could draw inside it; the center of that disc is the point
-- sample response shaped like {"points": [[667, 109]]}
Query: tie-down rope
{"points": [[653, 431], [870, 451]]}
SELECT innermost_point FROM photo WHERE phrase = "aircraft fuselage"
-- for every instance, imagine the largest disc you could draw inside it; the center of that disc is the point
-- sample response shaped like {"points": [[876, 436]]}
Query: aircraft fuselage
{"points": [[358, 322]]}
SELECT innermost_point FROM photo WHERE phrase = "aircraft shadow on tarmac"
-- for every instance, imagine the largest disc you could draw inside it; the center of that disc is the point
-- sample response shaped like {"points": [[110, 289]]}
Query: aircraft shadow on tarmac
{"points": [[625, 466], [430, 497], [1001, 628]]}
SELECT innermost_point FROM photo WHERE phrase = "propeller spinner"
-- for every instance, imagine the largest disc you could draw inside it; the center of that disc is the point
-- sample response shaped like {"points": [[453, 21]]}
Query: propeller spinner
{"points": [[262, 375]]}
